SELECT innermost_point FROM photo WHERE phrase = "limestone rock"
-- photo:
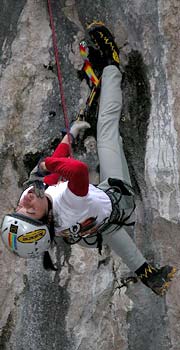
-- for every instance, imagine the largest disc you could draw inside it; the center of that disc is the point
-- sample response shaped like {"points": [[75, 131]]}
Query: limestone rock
{"points": [[80, 306]]}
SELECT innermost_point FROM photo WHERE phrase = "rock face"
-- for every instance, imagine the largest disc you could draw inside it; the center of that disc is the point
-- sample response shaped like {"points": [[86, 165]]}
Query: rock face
{"points": [[80, 306]]}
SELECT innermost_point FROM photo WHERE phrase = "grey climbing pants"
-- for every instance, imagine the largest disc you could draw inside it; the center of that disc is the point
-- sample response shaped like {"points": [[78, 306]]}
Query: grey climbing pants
{"points": [[112, 160]]}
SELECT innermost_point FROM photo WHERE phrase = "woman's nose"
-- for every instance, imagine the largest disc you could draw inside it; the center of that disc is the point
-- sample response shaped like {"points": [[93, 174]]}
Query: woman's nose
{"points": [[30, 196], [27, 198]]}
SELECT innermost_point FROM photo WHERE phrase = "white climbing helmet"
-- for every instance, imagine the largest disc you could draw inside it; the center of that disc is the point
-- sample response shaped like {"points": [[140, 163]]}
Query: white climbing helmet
{"points": [[26, 237]]}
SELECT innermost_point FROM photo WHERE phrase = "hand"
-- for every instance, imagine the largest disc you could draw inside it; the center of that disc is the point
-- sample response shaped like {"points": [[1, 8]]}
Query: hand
{"points": [[77, 126], [38, 186], [36, 180]]}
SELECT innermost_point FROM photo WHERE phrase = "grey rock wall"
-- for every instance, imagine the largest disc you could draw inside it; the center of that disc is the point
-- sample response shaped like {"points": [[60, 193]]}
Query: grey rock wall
{"points": [[80, 306]]}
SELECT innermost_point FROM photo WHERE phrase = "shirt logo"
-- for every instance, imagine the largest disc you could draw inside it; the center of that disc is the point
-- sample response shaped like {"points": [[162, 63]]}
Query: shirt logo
{"points": [[85, 228]]}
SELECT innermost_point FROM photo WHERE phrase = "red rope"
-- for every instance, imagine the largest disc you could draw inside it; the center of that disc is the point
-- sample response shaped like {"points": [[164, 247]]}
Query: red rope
{"points": [[56, 54]]}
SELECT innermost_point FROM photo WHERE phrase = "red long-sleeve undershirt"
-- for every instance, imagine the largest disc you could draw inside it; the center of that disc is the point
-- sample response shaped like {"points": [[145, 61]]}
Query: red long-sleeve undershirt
{"points": [[75, 171], [62, 150]]}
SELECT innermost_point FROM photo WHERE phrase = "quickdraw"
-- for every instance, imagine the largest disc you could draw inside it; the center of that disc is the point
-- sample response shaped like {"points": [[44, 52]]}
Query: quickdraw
{"points": [[88, 69]]}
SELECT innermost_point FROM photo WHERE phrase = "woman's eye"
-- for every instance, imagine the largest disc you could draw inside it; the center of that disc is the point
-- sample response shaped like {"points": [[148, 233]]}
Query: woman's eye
{"points": [[31, 211]]}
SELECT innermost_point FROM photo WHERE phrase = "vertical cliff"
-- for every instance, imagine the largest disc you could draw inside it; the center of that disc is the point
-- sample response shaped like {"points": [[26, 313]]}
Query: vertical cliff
{"points": [[79, 306]]}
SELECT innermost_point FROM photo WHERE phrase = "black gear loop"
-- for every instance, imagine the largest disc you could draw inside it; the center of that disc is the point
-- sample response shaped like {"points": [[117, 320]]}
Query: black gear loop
{"points": [[118, 215]]}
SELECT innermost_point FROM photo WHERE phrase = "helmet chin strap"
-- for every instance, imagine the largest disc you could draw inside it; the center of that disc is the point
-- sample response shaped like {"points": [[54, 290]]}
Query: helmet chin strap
{"points": [[48, 219], [47, 261], [49, 204]]}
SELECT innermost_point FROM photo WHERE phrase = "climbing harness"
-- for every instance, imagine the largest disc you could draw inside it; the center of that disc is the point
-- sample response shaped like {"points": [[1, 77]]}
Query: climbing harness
{"points": [[90, 231]]}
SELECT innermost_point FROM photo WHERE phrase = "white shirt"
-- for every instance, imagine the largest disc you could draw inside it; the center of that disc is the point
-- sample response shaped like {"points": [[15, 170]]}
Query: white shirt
{"points": [[69, 209]]}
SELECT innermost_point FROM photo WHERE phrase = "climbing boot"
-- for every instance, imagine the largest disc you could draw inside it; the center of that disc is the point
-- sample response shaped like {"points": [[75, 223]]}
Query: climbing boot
{"points": [[104, 41], [156, 279]]}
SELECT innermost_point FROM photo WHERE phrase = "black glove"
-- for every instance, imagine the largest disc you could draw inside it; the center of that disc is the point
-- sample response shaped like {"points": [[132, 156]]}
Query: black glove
{"points": [[36, 180]]}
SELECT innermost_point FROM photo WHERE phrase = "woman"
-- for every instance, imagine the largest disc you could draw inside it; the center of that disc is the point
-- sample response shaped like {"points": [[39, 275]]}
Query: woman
{"points": [[83, 213]]}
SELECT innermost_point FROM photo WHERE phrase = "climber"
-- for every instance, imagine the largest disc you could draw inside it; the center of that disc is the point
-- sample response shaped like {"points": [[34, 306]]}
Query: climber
{"points": [[74, 209]]}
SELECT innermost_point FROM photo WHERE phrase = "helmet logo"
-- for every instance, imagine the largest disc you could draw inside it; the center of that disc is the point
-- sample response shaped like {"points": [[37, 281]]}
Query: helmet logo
{"points": [[12, 237], [12, 240], [32, 236]]}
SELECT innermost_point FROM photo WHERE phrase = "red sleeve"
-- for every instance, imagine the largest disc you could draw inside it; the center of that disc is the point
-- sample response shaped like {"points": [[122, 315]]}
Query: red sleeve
{"points": [[51, 179], [75, 171], [62, 150]]}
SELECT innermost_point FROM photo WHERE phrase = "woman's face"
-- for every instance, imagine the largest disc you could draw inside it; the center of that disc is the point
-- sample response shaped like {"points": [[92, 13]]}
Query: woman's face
{"points": [[31, 205]]}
